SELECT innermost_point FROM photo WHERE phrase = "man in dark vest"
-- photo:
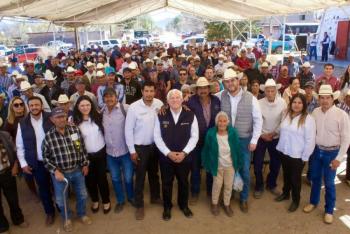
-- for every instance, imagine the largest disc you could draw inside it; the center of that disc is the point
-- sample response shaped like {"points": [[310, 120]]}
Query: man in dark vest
{"points": [[205, 107], [175, 135], [30, 135], [245, 115]]}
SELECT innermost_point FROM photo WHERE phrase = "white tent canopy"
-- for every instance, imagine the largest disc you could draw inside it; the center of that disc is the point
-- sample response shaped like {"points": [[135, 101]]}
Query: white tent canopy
{"points": [[82, 12]]}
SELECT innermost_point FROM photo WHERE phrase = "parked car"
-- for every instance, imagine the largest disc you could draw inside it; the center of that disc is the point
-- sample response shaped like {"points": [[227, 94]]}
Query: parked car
{"points": [[198, 40], [142, 41], [289, 44], [105, 44]]}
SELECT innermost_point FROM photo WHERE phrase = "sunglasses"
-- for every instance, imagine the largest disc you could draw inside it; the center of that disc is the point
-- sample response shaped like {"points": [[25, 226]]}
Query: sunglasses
{"points": [[21, 104], [183, 74]]}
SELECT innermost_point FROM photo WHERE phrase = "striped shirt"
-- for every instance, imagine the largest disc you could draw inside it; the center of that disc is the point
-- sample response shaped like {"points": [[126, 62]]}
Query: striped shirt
{"points": [[5, 81], [64, 152]]}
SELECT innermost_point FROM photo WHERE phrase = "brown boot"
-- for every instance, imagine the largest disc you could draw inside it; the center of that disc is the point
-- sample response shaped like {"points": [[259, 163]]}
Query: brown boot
{"points": [[243, 205], [215, 209], [50, 219], [228, 211], [140, 213]]}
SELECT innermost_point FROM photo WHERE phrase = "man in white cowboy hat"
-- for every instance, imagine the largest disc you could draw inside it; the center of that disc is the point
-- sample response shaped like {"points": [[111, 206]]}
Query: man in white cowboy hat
{"points": [[57, 70], [221, 65], [69, 81], [305, 75], [272, 108], [15, 88], [166, 62], [245, 115], [27, 92], [200, 69], [127, 62], [332, 143], [54, 89], [5, 80], [205, 107], [64, 102], [147, 67], [264, 73], [243, 62], [29, 70], [90, 73]]}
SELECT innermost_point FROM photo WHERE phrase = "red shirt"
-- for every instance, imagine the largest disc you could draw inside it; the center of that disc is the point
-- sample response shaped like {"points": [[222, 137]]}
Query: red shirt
{"points": [[333, 81], [284, 81], [243, 63]]}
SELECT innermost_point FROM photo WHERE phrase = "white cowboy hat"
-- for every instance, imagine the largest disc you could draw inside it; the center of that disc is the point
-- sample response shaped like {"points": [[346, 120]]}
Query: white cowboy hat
{"points": [[197, 58], [70, 70], [264, 64], [221, 56], [165, 54], [90, 64], [100, 66], [61, 100], [49, 76], [127, 55], [148, 61], [15, 73], [327, 90], [3, 64], [132, 66], [25, 85], [182, 56], [99, 74], [202, 82], [230, 74], [270, 83], [307, 65], [29, 62]]}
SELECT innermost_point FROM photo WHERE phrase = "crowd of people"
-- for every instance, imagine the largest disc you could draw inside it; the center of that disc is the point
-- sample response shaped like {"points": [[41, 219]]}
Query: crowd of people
{"points": [[177, 112]]}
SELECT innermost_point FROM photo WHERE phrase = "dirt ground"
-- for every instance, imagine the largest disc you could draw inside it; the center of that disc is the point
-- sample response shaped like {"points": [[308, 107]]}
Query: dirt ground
{"points": [[264, 216]]}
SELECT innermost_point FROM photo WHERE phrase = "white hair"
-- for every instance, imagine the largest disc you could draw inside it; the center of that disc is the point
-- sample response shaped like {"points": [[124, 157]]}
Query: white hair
{"points": [[173, 92], [221, 113]]}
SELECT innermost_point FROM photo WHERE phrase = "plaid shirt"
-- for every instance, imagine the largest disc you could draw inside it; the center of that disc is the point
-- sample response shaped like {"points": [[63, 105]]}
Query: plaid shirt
{"points": [[344, 107], [63, 152], [5, 81]]}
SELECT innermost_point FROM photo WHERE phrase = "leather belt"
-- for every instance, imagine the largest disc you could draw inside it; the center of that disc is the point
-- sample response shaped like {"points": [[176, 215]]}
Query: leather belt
{"points": [[329, 148]]}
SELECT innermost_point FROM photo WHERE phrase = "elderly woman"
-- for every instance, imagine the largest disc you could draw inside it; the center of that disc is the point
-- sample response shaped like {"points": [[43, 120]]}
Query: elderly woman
{"points": [[221, 156], [293, 89]]}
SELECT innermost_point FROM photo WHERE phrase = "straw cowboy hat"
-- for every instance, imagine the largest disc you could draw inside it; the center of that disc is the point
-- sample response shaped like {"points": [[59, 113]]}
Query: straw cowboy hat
{"points": [[327, 90], [90, 64], [307, 65], [70, 70], [48, 75], [264, 64], [25, 85], [127, 55], [132, 66], [148, 61], [99, 74], [229, 74], [100, 66], [165, 54], [62, 99], [270, 83], [202, 82]]}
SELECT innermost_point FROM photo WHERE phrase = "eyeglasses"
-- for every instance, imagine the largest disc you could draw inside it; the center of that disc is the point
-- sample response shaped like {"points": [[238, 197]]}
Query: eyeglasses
{"points": [[21, 104], [183, 74]]}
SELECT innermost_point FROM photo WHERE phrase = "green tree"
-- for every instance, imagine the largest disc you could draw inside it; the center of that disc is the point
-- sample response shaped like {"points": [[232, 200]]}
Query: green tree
{"points": [[217, 31]]}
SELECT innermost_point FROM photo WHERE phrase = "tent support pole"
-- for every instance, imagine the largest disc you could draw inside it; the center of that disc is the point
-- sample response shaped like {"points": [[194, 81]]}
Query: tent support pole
{"points": [[250, 29], [284, 33], [76, 38], [234, 25], [270, 37], [231, 30]]}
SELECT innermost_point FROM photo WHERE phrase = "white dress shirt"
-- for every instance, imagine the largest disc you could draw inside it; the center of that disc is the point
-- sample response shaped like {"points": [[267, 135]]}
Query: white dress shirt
{"points": [[272, 113], [139, 124], [39, 137], [256, 113], [333, 129], [297, 142], [192, 142], [92, 135]]}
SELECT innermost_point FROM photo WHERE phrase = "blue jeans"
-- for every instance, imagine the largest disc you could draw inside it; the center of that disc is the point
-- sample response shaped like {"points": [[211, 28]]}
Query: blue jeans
{"points": [[118, 167], [313, 52], [77, 181], [196, 173], [320, 169], [245, 170]]}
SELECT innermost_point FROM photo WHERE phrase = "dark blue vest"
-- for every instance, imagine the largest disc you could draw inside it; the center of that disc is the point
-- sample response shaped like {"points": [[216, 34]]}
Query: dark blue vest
{"points": [[195, 105], [29, 140], [176, 136]]}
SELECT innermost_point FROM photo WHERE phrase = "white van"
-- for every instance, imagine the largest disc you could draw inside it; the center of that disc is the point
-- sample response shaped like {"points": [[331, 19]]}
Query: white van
{"points": [[198, 40], [105, 44]]}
